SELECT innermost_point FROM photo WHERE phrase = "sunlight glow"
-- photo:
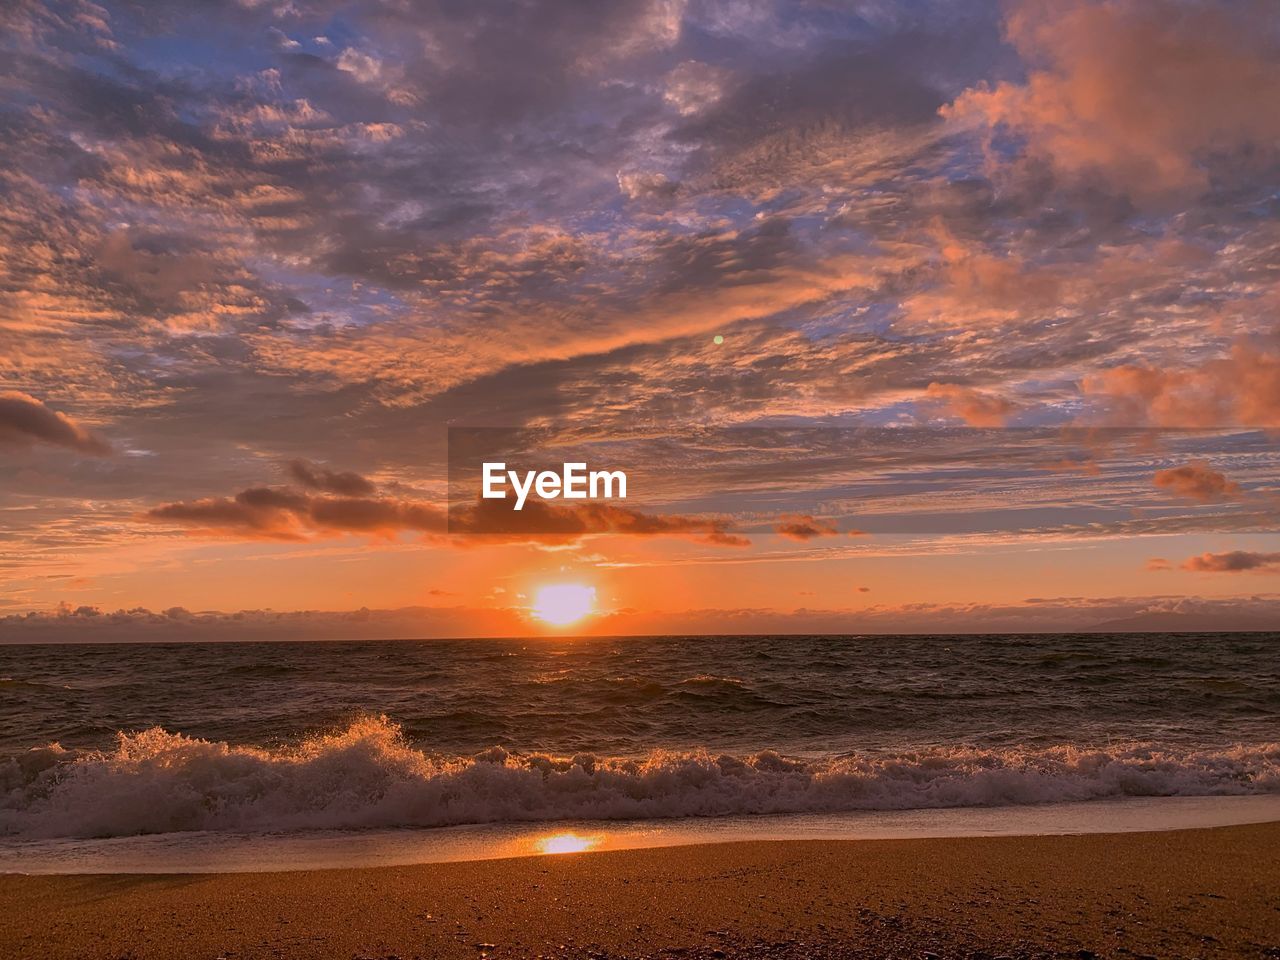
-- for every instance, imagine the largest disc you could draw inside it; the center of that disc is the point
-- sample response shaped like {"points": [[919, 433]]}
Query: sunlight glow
{"points": [[561, 604], [566, 843]]}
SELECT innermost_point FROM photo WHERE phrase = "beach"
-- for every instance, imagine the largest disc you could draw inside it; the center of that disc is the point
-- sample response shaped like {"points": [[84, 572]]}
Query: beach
{"points": [[1191, 893]]}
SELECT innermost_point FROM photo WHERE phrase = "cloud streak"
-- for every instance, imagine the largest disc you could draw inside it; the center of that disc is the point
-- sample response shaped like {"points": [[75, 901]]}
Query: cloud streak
{"points": [[330, 506]]}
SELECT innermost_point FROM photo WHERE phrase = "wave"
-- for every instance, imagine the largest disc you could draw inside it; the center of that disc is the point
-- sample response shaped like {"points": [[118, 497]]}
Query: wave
{"points": [[20, 684], [369, 775]]}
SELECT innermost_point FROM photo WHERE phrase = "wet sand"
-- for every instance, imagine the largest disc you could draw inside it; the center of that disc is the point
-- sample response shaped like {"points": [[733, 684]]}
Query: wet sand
{"points": [[1194, 893]]}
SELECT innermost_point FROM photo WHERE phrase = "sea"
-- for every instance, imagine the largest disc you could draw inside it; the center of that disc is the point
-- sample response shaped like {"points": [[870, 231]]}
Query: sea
{"points": [[675, 735]]}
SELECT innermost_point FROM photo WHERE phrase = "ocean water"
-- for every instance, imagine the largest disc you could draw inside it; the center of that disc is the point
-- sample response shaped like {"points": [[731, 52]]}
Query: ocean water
{"points": [[124, 740]]}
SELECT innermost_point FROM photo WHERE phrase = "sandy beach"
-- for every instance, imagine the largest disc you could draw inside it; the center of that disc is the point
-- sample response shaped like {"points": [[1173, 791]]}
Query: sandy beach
{"points": [[1195, 893]]}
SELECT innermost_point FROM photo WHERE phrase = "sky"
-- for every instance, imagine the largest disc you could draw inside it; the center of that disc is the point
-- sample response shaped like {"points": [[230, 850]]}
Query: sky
{"points": [[258, 257]]}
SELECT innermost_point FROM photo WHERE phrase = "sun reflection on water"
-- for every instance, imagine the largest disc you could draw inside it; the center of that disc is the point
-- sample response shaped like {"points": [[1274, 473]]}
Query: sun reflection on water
{"points": [[566, 843]]}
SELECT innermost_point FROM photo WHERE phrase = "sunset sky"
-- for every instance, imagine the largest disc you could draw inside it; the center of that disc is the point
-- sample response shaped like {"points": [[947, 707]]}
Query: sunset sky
{"points": [[257, 257]]}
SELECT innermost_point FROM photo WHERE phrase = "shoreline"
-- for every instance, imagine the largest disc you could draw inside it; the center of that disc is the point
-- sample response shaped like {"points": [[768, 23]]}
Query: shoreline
{"points": [[248, 852], [1205, 893]]}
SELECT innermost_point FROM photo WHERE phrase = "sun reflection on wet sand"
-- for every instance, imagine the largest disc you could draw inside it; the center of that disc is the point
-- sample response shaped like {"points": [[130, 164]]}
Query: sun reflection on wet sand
{"points": [[567, 843]]}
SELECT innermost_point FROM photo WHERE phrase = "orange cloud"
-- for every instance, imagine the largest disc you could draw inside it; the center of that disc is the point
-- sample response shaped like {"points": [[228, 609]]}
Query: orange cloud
{"points": [[975, 287], [1197, 481], [1139, 92], [24, 419], [974, 407], [1242, 388], [1236, 561]]}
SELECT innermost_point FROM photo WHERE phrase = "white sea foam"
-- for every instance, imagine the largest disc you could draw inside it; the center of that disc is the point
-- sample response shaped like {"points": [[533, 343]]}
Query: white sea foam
{"points": [[368, 776]]}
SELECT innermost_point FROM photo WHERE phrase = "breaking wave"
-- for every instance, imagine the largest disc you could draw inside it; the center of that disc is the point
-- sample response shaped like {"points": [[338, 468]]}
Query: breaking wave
{"points": [[368, 775]]}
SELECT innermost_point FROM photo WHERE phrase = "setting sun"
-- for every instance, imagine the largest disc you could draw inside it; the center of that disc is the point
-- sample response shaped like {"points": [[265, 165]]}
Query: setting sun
{"points": [[561, 604]]}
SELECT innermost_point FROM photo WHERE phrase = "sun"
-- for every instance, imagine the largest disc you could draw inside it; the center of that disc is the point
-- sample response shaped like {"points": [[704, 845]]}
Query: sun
{"points": [[561, 604]]}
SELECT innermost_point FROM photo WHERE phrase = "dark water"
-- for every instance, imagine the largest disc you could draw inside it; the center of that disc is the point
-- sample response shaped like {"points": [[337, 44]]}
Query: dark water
{"points": [[294, 735], [795, 694]]}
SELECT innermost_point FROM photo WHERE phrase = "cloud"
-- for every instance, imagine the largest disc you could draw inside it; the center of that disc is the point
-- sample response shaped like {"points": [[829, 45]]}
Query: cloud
{"points": [[545, 522], [1240, 388], [975, 407], [364, 68], [1236, 561], [81, 623], [371, 71], [1197, 481], [693, 87], [24, 419], [804, 527], [277, 513], [1145, 94], [637, 185], [314, 477], [158, 277], [975, 286], [280, 514]]}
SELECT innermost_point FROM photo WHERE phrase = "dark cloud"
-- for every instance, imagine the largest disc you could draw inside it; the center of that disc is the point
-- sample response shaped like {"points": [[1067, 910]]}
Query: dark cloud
{"points": [[541, 521], [276, 513], [804, 527], [850, 86], [314, 477], [85, 623], [281, 514], [24, 419]]}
